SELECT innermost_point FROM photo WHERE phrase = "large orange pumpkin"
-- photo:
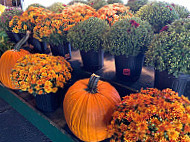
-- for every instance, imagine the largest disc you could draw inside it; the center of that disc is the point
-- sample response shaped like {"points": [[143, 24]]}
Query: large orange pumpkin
{"points": [[9, 59], [88, 106]]}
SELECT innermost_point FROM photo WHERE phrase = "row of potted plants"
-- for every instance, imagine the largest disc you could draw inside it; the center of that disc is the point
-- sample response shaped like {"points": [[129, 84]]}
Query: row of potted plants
{"points": [[127, 72], [53, 27], [150, 115], [125, 37], [49, 26], [165, 58], [114, 9], [90, 104], [128, 44]]}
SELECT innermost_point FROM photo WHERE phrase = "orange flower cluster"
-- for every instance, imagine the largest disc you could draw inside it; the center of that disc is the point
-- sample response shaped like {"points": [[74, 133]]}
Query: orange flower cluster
{"points": [[51, 26], [41, 73], [40, 21], [45, 24], [152, 116], [76, 13], [29, 19], [113, 12]]}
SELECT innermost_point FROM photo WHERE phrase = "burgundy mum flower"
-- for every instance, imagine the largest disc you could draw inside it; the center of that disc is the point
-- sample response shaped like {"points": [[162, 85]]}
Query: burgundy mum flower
{"points": [[134, 23], [165, 28], [169, 8]]}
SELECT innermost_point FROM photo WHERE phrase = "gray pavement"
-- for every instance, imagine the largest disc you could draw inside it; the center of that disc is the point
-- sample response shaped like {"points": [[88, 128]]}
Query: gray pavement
{"points": [[15, 128]]}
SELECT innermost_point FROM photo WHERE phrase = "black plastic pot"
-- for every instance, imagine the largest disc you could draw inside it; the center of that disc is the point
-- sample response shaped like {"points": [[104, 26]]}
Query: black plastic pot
{"points": [[129, 68], [47, 102], [181, 84], [63, 50], [39, 47], [92, 60], [14, 37]]}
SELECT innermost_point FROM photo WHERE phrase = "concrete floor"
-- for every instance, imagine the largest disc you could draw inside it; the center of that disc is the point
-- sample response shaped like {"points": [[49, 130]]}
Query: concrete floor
{"points": [[15, 128]]}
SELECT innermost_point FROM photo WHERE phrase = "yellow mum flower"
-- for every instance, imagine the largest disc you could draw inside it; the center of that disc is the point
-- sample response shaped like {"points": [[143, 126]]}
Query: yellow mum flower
{"points": [[25, 27], [48, 90], [48, 83], [30, 91], [15, 30], [44, 74], [173, 135], [37, 87], [29, 74], [40, 92], [54, 90]]}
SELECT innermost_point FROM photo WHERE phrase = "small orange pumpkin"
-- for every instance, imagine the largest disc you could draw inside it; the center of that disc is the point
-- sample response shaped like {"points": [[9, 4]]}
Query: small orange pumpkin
{"points": [[8, 61], [88, 107]]}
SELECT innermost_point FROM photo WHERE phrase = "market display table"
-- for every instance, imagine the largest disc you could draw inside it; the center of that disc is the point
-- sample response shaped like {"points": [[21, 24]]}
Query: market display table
{"points": [[108, 72], [53, 124]]}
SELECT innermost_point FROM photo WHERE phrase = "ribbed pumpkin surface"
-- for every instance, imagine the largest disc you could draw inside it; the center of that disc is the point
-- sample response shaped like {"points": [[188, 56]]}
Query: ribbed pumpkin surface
{"points": [[87, 114], [7, 62]]}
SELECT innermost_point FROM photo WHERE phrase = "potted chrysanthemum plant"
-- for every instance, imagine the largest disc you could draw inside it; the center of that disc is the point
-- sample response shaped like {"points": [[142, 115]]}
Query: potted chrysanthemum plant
{"points": [[87, 36], [127, 40], [169, 54], [42, 75], [5, 18], [151, 116], [158, 14]]}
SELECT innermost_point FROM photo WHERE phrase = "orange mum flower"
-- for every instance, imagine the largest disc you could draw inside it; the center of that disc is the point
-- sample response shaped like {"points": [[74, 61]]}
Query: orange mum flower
{"points": [[76, 13], [112, 12], [151, 115], [42, 71]]}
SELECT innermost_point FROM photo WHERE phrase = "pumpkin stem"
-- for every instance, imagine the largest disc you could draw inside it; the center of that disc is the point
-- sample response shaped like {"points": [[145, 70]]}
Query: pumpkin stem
{"points": [[92, 84], [22, 41]]}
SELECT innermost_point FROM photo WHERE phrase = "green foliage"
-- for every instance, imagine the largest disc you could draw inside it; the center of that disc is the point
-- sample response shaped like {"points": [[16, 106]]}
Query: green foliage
{"points": [[77, 1], [57, 39], [5, 44], [97, 4], [181, 10], [170, 49], [57, 7], [114, 1], [129, 37], [36, 5], [158, 14], [7, 15], [135, 5], [88, 35]]}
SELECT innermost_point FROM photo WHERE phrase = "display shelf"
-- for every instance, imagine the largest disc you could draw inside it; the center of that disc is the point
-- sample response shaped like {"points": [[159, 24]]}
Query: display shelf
{"points": [[108, 72], [53, 124]]}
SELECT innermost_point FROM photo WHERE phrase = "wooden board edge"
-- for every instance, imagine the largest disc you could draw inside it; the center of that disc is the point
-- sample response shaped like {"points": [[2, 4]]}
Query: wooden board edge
{"points": [[44, 124]]}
